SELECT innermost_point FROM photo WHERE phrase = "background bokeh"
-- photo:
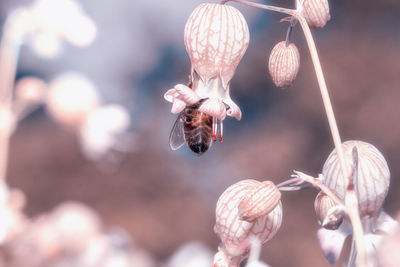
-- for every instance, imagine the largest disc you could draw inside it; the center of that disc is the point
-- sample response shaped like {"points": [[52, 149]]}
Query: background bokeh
{"points": [[165, 198]]}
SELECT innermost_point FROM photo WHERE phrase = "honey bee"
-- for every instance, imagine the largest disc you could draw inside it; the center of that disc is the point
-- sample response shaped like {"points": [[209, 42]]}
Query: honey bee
{"points": [[195, 128]]}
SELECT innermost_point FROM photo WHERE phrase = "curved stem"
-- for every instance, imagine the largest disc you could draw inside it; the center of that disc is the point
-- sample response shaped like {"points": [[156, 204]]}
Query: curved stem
{"points": [[325, 95], [287, 11], [351, 201]]}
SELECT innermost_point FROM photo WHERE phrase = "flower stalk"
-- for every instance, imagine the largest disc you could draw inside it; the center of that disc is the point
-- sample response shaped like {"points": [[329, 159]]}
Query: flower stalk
{"points": [[9, 51]]}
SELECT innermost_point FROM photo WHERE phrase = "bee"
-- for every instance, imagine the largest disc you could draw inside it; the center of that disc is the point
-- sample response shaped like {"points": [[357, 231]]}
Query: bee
{"points": [[195, 128]]}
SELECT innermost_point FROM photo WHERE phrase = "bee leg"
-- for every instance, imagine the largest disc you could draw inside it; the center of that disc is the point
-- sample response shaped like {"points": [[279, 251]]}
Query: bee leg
{"points": [[221, 137], [214, 129]]}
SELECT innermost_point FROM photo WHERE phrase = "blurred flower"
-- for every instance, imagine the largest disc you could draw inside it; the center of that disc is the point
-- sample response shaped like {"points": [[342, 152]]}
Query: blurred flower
{"points": [[114, 249], [216, 38], [103, 130], [12, 219], [247, 209], [192, 254], [70, 98], [45, 23], [371, 186], [54, 20], [63, 233], [30, 90], [388, 251]]}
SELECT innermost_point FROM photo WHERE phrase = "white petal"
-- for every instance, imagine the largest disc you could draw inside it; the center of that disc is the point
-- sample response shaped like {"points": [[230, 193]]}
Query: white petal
{"points": [[234, 110], [214, 108], [385, 223], [170, 95], [177, 106], [371, 243], [186, 94], [331, 241]]}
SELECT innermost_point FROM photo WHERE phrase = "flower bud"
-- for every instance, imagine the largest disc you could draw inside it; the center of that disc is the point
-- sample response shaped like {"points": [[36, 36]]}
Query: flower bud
{"points": [[216, 38], [284, 63], [372, 182], [245, 209], [330, 215], [316, 12], [260, 201]]}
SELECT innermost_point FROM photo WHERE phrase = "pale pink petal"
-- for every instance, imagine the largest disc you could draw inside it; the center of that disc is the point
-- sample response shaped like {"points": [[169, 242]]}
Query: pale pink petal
{"points": [[331, 241], [186, 94], [214, 107], [177, 106], [170, 95], [371, 243], [234, 110], [385, 223]]}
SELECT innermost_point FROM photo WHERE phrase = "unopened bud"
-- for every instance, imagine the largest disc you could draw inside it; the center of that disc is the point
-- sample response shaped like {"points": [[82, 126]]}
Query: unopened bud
{"points": [[330, 215], [316, 12], [284, 63], [260, 201]]}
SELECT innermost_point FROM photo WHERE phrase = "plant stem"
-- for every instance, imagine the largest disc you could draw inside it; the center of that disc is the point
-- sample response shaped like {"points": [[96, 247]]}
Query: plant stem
{"points": [[9, 51], [287, 11], [351, 206]]}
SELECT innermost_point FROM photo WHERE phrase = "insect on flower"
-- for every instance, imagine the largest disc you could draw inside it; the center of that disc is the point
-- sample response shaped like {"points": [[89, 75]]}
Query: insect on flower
{"points": [[216, 38]]}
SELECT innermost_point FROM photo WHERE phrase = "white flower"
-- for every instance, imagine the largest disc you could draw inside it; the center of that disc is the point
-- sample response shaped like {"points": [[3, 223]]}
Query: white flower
{"points": [[216, 38], [371, 184], [246, 210]]}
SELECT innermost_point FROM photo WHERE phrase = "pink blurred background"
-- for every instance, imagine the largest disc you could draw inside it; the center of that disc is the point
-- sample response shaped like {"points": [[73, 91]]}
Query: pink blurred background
{"points": [[165, 198]]}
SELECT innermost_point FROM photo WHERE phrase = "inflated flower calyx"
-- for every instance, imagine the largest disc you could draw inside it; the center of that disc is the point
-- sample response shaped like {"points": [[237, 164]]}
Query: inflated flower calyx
{"points": [[216, 38], [247, 208], [329, 214], [316, 12], [283, 64], [372, 182]]}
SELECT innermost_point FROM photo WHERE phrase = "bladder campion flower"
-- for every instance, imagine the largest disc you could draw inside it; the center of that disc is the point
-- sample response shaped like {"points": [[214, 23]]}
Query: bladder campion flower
{"points": [[216, 38], [371, 186], [247, 209]]}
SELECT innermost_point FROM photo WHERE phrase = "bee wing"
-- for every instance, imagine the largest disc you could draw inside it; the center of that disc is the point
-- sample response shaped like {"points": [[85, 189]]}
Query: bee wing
{"points": [[176, 138]]}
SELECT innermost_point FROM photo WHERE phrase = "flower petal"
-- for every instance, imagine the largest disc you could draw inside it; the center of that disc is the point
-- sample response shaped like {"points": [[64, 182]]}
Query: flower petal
{"points": [[234, 110], [170, 95], [331, 241], [385, 223], [186, 94], [177, 106], [214, 107]]}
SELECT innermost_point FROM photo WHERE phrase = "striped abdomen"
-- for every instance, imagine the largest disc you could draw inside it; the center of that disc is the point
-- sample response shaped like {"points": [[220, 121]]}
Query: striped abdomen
{"points": [[197, 129]]}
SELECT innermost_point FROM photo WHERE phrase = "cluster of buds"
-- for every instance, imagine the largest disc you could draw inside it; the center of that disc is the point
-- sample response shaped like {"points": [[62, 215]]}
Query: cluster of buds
{"points": [[100, 128], [284, 60], [248, 209], [371, 178]]}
